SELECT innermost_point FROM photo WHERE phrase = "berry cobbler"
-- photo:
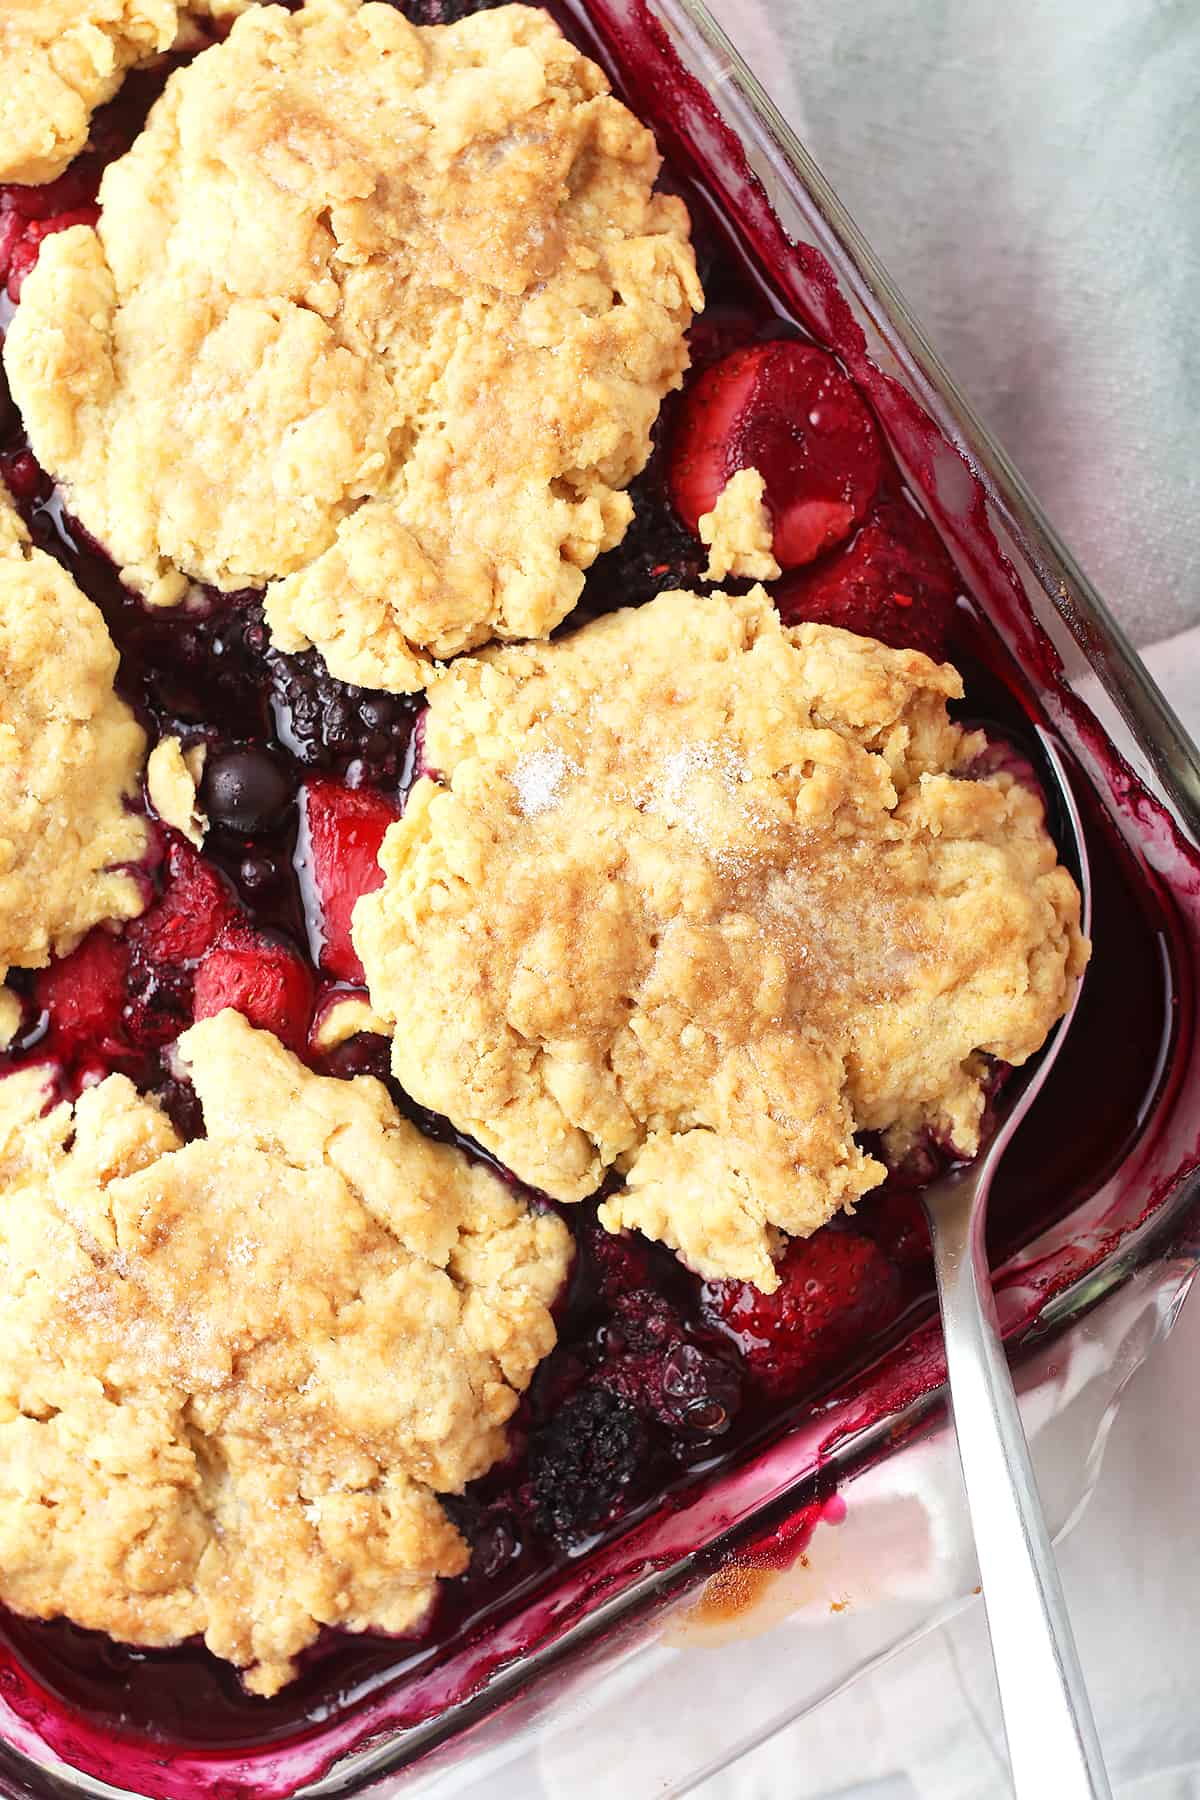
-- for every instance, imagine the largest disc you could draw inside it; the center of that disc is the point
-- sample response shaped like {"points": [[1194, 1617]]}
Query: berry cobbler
{"points": [[505, 894]]}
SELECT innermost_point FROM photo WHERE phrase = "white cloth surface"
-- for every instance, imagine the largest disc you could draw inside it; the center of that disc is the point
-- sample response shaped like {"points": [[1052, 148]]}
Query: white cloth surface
{"points": [[1030, 175]]}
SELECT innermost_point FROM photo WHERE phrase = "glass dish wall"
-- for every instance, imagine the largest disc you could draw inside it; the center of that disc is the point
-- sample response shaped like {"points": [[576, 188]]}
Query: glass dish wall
{"points": [[643, 1670]]}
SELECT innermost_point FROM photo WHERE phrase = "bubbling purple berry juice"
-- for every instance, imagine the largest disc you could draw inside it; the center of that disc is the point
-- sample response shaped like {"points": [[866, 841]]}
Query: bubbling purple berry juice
{"points": [[660, 1384]]}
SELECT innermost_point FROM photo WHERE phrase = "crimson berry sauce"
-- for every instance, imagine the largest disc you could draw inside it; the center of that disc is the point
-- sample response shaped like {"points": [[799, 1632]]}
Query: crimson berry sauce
{"points": [[655, 1390]]}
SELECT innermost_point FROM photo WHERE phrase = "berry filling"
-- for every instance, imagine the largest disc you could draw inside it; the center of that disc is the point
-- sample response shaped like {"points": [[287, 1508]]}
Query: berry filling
{"points": [[79, 998], [262, 979], [893, 581], [584, 1464], [787, 410]]}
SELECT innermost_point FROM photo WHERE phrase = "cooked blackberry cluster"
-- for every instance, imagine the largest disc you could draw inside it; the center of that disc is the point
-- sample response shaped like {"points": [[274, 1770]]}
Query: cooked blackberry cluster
{"points": [[326, 723]]}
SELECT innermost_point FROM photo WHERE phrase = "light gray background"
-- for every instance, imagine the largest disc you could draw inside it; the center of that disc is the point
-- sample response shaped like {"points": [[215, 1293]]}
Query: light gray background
{"points": [[1029, 172]]}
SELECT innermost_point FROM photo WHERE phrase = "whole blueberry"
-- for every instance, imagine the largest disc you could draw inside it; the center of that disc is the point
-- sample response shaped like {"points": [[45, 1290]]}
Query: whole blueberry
{"points": [[247, 791]]}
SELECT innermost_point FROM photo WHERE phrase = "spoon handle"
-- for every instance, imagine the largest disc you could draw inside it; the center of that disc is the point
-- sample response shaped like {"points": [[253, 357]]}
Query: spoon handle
{"points": [[1053, 1746]]}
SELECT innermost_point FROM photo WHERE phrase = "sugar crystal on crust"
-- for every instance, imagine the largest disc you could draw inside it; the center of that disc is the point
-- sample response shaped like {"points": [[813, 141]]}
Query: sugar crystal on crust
{"points": [[70, 758], [377, 316], [235, 1374], [756, 912]]}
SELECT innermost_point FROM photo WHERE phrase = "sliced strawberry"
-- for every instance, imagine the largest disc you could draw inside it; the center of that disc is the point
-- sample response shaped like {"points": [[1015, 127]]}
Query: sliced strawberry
{"points": [[260, 978], [23, 253], [835, 1289], [189, 917], [787, 410], [894, 582], [341, 830], [83, 993]]}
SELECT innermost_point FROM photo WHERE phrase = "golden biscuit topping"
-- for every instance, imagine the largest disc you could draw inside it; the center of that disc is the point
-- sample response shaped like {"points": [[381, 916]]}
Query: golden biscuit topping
{"points": [[10, 1017], [701, 898], [377, 316], [172, 784], [738, 531], [70, 758], [63, 58], [235, 1373]]}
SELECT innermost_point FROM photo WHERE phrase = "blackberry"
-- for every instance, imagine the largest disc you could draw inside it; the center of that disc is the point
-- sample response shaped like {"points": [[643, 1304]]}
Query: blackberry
{"points": [[196, 673], [644, 1321], [657, 553], [443, 12], [326, 723], [620, 1262], [212, 671], [649, 1361], [583, 1463]]}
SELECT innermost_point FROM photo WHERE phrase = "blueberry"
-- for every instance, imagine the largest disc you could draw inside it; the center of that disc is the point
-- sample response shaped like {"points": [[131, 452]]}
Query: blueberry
{"points": [[247, 791]]}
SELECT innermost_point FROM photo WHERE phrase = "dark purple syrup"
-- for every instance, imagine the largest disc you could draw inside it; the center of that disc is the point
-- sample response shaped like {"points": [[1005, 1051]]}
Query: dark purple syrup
{"points": [[650, 1383]]}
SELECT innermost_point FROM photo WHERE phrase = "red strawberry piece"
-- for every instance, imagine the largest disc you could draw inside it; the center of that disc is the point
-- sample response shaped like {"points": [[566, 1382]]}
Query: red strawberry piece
{"points": [[835, 1289], [260, 978], [23, 252], [192, 912], [341, 830], [787, 410], [83, 993], [894, 582]]}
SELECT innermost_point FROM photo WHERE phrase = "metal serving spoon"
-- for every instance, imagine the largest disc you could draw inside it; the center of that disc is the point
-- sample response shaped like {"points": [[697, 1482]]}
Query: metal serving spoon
{"points": [[1053, 1747]]}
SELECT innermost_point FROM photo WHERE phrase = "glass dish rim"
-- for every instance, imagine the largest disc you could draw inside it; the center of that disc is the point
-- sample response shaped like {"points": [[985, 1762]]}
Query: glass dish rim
{"points": [[1176, 764]]}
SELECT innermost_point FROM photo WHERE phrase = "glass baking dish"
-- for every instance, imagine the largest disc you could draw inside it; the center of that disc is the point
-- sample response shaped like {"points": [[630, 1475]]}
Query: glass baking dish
{"points": [[844, 1535]]}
